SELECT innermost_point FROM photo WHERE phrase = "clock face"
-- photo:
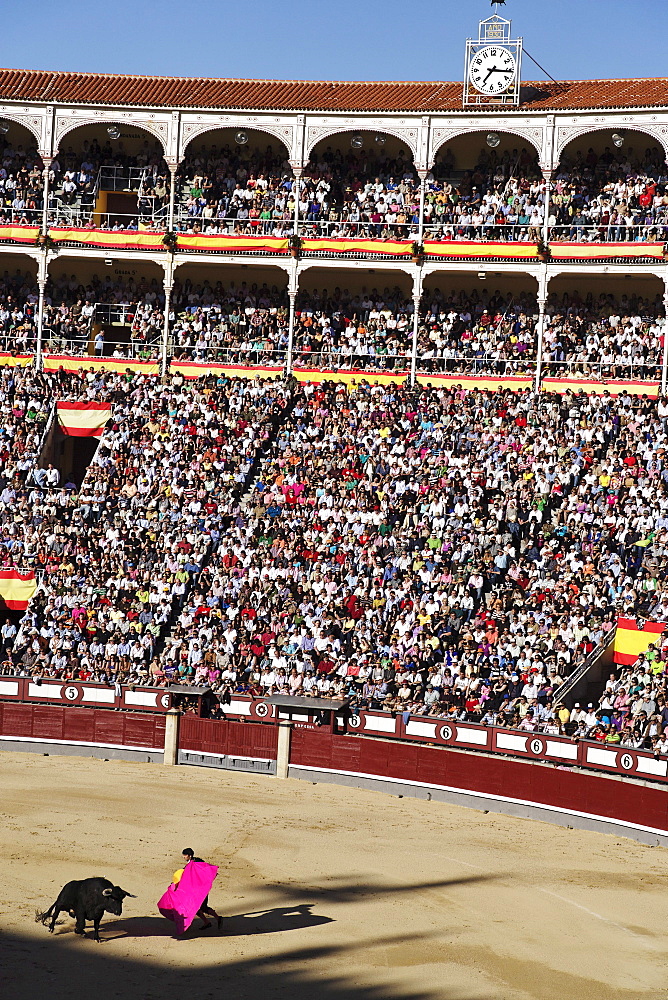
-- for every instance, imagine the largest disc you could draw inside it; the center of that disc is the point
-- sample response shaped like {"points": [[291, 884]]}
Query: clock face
{"points": [[492, 69]]}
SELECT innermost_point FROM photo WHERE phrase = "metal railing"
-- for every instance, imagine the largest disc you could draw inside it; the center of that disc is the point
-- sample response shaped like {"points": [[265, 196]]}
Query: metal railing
{"points": [[115, 178], [355, 361], [588, 231], [10, 216], [454, 230], [572, 681], [488, 364], [249, 357], [115, 312], [625, 369]]}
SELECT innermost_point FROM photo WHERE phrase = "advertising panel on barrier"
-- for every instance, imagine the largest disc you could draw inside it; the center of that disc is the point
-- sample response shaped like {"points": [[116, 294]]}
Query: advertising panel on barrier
{"points": [[77, 692], [623, 760], [537, 746]]}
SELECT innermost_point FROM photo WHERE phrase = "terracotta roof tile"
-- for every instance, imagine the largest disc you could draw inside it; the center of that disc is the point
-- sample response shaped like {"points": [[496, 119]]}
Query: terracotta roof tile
{"points": [[306, 95]]}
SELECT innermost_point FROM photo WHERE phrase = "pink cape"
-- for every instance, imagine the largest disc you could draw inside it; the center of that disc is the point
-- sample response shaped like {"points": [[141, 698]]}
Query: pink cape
{"points": [[180, 903]]}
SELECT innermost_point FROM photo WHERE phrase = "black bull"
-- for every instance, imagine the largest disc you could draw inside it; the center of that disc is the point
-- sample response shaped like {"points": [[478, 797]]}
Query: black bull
{"points": [[86, 899]]}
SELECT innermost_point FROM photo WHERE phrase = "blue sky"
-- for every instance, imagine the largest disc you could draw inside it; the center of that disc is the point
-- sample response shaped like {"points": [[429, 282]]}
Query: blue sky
{"points": [[339, 40]]}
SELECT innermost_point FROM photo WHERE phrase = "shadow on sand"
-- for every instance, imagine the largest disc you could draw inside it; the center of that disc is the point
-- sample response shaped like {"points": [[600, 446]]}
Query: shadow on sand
{"points": [[269, 921]]}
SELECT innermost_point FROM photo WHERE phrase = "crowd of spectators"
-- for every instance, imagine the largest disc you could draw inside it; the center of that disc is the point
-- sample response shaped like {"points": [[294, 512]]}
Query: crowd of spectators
{"points": [[73, 184], [21, 183], [117, 553], [448, 554], [444, 553], [236, 191], [619, 194], [477, 332], [70, 307]]}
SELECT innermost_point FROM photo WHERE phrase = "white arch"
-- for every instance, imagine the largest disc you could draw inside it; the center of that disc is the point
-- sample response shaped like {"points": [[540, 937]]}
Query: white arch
{"points": [[318, 133], [33, 125], [566, 135], [155, 128], [441, 136], [193, 130]]}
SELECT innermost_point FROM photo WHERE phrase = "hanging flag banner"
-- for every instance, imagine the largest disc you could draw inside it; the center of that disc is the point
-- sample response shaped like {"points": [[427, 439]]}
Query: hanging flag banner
{"points": [[317, 375], [633, 636], [19, 234], [54, 362], [605, 251], [17, 589], [193, 369], [472, 250], [83, 419], [232, 244], [108, 239], [614, 387]]}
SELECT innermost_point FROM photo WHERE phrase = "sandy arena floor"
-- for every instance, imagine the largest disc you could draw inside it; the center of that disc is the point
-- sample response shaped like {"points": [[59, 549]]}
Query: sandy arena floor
{"points": [[328, 893]]}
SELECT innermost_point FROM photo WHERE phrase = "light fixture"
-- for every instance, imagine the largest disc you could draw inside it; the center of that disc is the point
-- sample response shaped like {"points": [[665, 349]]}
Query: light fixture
{"points": [[357, 141], [493, 139], [241, 138], [380, 140], [114, 132], [482, 275], [617, 139], [108, 261], [4, 128]]}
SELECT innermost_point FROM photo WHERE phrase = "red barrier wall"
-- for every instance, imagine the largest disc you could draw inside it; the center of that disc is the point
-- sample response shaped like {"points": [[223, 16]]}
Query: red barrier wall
{"points": [[229, 738], [531, 782], [93, 727], [550, 785]]}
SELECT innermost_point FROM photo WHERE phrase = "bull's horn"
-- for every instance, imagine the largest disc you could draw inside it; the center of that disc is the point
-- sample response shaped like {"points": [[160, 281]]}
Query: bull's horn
{"points": [[130, 894], [107, 892]]}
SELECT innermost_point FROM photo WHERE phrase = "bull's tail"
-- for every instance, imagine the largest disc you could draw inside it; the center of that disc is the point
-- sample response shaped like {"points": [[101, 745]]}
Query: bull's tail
{"points": [[41, 918]]}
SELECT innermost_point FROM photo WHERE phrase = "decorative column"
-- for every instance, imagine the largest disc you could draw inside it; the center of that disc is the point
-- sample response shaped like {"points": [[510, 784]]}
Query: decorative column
{"points": [[547, 176], [173, 167], [417, 296], [422, 174], [664, 360], [297, 171], [167, 284], [542, 299], [41, 285], [46, 160], [293, 286]]}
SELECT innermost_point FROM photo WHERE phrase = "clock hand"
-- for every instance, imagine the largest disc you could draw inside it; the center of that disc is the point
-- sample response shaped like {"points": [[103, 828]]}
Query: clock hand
{"points": [[491, 70]]}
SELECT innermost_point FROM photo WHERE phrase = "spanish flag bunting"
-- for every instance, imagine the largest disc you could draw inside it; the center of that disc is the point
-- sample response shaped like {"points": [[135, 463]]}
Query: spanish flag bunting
{"points": [[633, 637], [83, 419]]}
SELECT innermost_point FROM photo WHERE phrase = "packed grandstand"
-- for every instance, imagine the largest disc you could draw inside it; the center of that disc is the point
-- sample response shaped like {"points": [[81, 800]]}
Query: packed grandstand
{"points": [[379, 426]]}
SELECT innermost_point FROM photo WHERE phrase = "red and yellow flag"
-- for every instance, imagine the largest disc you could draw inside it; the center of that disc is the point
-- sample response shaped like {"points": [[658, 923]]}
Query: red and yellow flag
{"points": [[633, 638], [83, 419], [17, 589]]}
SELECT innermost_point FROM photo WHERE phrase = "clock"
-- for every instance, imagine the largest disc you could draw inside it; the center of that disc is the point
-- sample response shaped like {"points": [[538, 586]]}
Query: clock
{"points": [[492, 69]]}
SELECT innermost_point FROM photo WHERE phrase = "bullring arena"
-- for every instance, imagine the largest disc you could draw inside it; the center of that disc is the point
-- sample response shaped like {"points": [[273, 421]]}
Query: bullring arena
{"points": [[325, 891], [334, 532]]}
